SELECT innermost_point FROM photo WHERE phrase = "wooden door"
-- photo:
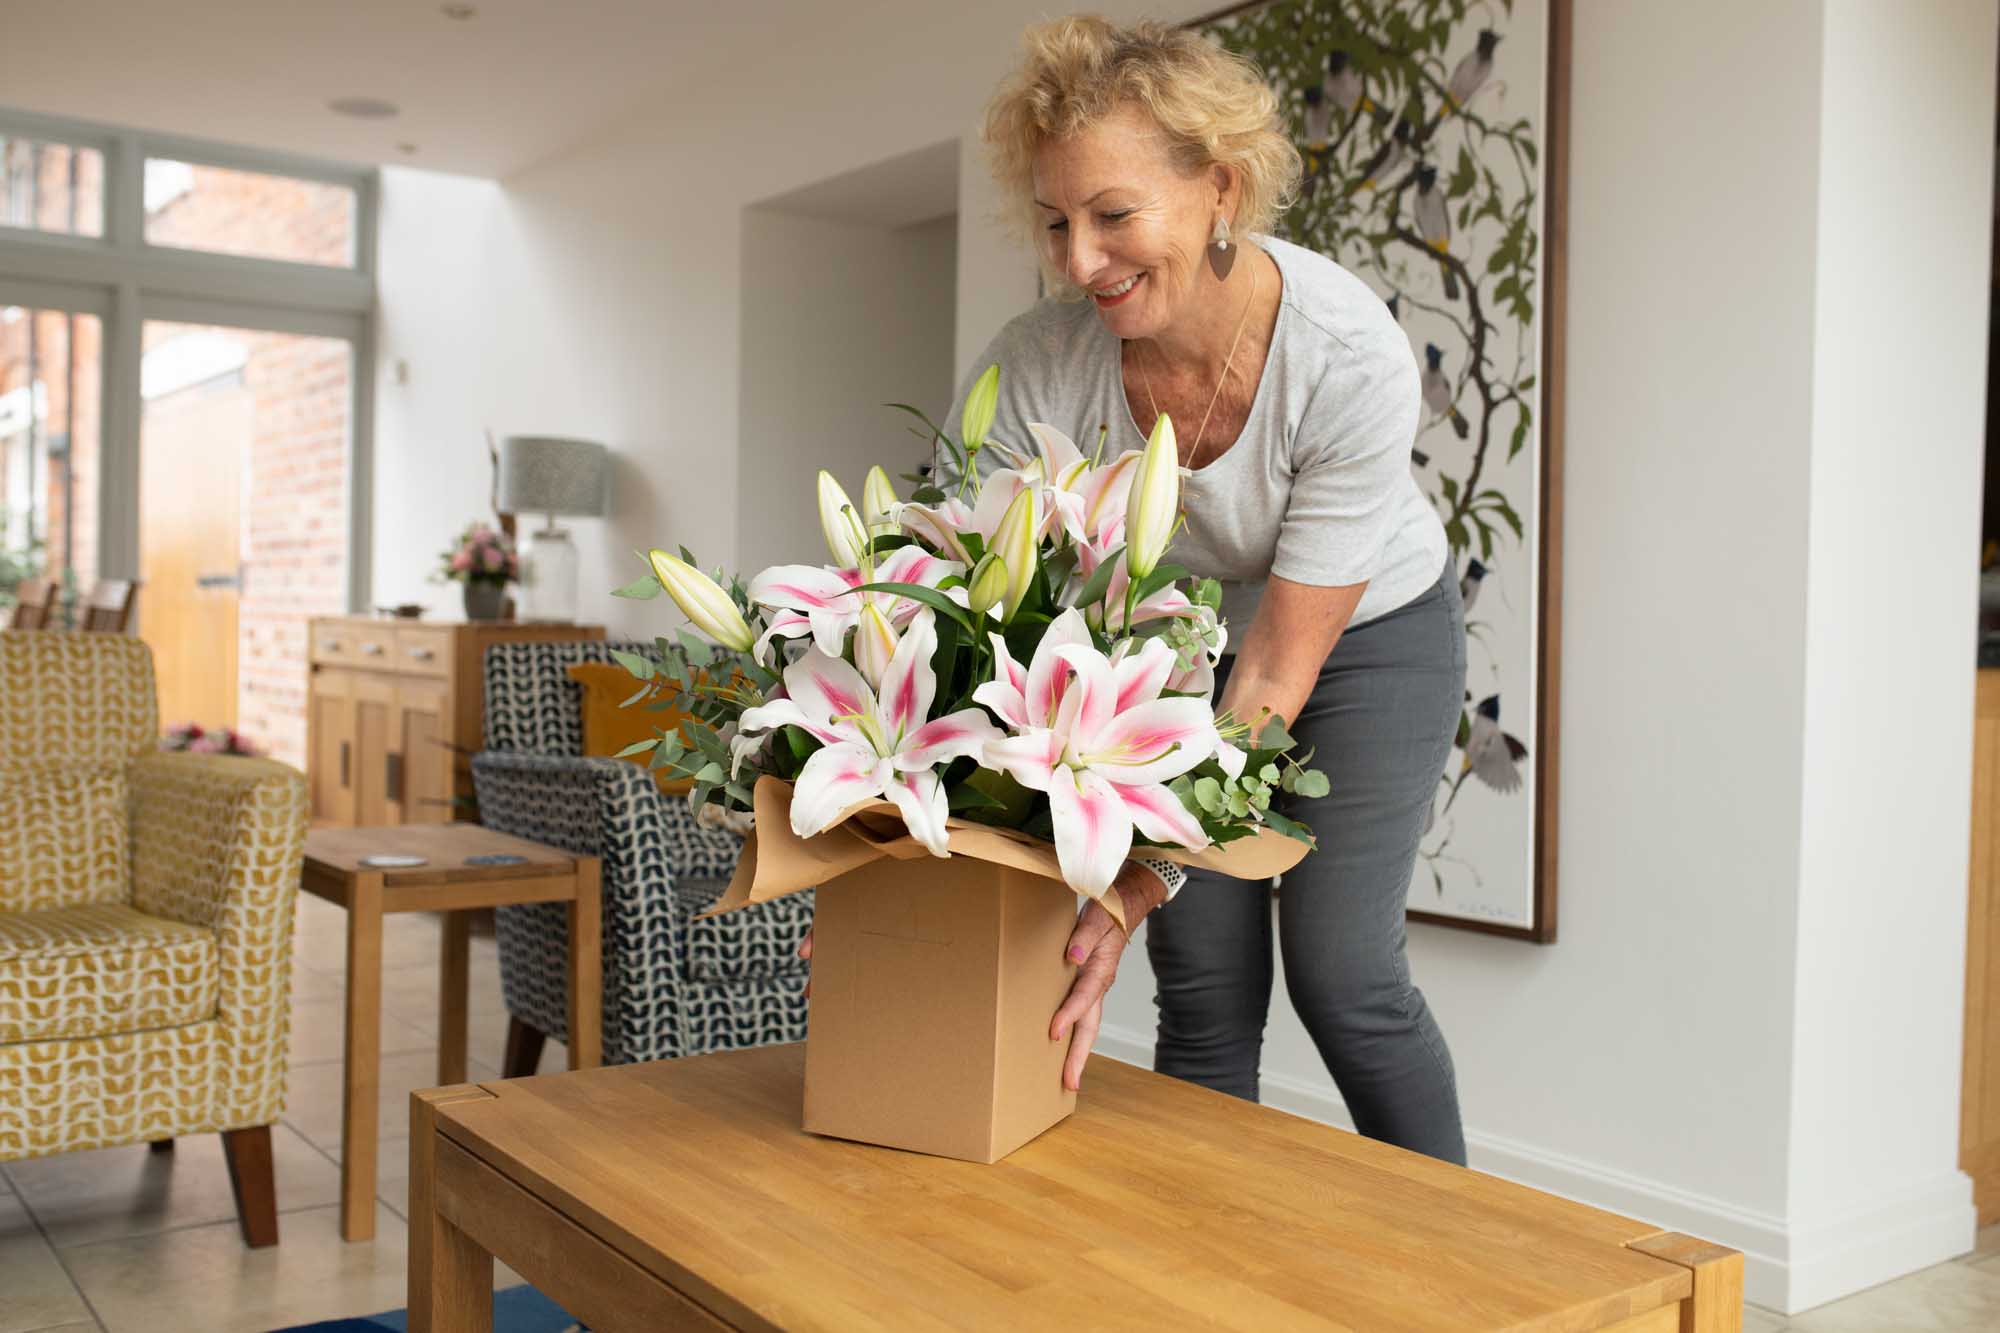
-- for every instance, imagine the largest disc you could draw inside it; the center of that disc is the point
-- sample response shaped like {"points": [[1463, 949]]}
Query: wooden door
{"points": [[191, 548], [424, 770], [1979, 1110], [330, 768], [374, 743]]}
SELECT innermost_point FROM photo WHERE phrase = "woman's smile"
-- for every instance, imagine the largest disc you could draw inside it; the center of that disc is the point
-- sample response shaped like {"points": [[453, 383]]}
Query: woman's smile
{"points": [[1117, 292]]}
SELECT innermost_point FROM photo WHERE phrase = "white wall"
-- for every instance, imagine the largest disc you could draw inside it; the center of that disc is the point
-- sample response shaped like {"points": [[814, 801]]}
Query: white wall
{"points": [[837, 319], [1773, 450], [1900, 309]]}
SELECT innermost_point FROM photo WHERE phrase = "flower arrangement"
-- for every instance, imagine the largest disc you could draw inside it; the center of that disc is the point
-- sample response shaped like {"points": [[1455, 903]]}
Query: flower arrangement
{"points": [[1012, 651], [481, 554], [197, 739]]}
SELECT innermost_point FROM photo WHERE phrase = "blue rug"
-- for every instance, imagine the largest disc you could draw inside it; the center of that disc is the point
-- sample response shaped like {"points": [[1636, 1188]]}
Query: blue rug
{"points": [[515, 1310]]}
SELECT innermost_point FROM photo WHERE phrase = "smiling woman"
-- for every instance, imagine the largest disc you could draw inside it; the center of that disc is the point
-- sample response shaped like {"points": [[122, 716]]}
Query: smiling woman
{"points": [[1149, 164]]}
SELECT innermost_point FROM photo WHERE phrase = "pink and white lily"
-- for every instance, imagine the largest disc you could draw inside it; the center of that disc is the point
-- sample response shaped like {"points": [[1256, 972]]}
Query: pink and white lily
{"points": [[821, 599], [1096, 736], [873, 744]]}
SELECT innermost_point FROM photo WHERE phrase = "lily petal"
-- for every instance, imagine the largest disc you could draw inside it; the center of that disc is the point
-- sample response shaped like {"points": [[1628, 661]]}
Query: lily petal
{"points": [[786, 712], [1048, 675], [920, 797], [1029, 758], [1154, 742], [1141, 668], [832, 780], [804, 587], [1005, 694], [909, 684], [1159, 814], [829, 690], [1092, 827], [942, 739]]}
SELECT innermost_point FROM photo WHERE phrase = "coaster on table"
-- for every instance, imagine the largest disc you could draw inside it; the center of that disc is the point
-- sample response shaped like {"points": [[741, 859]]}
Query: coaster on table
{"points": [[391, 861]]}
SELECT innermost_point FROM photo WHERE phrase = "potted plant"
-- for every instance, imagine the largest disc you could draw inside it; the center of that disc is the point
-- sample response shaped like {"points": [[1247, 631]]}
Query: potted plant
{"points": [[482, 559]]}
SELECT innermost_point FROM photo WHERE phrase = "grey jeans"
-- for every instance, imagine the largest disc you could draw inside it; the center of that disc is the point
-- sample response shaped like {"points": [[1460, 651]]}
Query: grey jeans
{"points": [[1381, 719]]}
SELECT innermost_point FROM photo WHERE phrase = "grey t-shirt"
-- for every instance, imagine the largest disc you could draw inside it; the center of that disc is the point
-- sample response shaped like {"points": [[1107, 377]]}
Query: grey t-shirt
{"points": [[1317, 488]]}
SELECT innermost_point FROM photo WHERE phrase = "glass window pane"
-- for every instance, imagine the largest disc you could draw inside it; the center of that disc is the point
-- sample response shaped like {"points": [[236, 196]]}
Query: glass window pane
{"points": [[243, 441], [250, 213], [54, 187], [50, 391]]}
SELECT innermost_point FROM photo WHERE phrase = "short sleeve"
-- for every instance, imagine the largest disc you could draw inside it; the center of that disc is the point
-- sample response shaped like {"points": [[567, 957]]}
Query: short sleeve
{"points": [[1351, 465]]}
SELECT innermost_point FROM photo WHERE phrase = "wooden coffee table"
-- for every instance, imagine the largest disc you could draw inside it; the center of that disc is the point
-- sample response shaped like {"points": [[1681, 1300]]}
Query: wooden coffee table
{"points": [[444, 883], [684, 1195]]}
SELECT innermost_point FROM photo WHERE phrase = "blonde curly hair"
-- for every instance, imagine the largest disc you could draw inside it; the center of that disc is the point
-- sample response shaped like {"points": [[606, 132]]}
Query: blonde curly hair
{"points": [[1213, 106]]}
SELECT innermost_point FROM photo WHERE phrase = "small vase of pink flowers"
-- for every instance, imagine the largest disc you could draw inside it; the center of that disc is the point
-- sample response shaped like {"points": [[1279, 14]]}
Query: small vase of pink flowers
{"points": [[482, 559]]}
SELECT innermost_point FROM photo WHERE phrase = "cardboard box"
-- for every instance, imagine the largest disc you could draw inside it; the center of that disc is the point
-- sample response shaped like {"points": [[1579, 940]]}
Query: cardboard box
{"points": [[935, 979], [933, 986]]}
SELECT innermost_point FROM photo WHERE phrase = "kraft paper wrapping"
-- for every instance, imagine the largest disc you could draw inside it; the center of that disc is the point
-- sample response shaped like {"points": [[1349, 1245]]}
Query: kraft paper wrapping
{"points": [[777, 861]]}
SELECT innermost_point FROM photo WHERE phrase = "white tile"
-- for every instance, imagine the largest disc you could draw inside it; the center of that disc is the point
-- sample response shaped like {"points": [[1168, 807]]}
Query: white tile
{"points": [[80, 1197], [319, 1031], [1948, 1298], [313, 1104], [38, 1293], [203, 1279]]}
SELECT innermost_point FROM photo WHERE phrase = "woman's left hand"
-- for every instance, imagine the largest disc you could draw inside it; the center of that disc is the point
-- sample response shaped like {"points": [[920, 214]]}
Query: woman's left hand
{"points": [[1095, 946]]}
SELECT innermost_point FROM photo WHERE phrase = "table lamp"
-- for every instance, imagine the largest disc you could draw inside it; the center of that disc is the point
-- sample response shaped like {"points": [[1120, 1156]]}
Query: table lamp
{"points": [[561, 478]]}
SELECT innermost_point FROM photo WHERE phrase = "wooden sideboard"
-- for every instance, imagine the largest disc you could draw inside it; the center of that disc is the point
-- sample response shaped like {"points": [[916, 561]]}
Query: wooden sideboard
{"points": [[1979, 1111], [395, 710]]}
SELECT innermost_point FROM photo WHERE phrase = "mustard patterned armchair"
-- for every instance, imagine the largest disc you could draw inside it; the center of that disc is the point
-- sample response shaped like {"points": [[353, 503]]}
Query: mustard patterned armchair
{"points": [[145, 920]]}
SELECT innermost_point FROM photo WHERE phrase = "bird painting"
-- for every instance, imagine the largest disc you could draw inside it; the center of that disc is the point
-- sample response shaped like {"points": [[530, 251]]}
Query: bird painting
{"points": [[1434, 224], [1492, 755], [1344, 85], [1437, 392], [1468, 584], [1388, 157], [1472, 72]]}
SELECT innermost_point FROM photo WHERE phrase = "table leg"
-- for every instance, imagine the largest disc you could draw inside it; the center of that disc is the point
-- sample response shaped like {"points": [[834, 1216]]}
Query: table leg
{"points": [[451, 1277], [1717, 1303], [363, 1068], [453, 980], [586, 968]]}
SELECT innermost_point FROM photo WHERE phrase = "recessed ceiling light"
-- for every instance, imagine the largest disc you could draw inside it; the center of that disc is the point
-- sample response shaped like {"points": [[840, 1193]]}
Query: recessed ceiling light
{"points": [[364, 108], [459, 12]]}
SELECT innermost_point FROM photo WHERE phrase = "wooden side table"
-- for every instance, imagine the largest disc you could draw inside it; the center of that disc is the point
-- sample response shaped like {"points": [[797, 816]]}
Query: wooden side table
{"points": [[444, 883]]}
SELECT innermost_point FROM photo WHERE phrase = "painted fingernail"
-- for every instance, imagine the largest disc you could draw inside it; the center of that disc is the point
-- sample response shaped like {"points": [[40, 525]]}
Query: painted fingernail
{"points": [[1076, 954]]}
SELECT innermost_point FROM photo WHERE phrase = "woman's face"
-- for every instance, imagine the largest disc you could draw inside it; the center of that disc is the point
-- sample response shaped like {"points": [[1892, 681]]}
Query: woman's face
{"points": [[1124, 224]]}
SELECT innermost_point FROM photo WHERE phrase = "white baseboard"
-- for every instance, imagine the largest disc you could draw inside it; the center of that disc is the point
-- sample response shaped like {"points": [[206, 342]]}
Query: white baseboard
{"points": [[1787, 1268]]}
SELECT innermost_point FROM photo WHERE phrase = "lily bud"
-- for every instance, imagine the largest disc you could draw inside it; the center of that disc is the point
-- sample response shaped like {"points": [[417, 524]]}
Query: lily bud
{"points": [[878, 498], [980, 402], [874, 644], [1014, 542], [1153, 505], [987, 584], [837, 523], [707, 607]]}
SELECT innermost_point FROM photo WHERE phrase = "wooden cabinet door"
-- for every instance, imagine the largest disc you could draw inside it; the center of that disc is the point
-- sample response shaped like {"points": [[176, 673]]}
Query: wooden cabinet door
{"points": [[331, 764], [374, 742], [424, 766]]}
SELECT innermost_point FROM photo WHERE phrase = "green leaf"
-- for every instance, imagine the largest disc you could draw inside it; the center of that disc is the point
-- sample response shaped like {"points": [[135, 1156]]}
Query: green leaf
{"points": [[711, 773], [1208, 795], [1094, 587], [640, 667], [639, 694], [637, 747], [927, 495], [1291, 828], [693, 646], [1161, 576], [957, 451], [1311, 783], [1275, 737], [930, 597], [641, 590], [965, 796], [1269, 773]]}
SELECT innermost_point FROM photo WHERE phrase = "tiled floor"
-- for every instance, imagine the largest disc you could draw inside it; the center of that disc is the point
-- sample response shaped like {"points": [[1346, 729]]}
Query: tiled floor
{"points": [[128, 1242]]}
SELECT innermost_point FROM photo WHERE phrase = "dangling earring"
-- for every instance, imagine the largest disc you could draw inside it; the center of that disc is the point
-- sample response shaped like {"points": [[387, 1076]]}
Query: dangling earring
{"points": [[1220, 257]]}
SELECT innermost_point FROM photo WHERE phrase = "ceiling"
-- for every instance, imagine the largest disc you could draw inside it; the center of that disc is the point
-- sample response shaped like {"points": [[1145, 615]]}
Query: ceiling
{"points": [[520, 80]]}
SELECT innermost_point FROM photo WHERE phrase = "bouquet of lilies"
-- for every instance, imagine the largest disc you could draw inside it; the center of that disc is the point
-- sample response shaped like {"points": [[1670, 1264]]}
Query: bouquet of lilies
{"points": [[1008, 649]]}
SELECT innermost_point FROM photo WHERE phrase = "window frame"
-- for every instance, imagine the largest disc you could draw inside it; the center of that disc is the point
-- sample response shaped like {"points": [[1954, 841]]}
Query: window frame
{"points": [[126, 280]]}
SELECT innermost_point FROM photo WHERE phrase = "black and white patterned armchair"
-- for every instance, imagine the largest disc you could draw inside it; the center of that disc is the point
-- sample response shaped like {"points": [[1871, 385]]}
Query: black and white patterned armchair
{"points": [[673, 985]]}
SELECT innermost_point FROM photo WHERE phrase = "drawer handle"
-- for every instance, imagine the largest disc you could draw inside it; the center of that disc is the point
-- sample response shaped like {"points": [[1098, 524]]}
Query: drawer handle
{"points": [[371, 650], [329, 645], [346, 752], [393, 779], [422, 654]]}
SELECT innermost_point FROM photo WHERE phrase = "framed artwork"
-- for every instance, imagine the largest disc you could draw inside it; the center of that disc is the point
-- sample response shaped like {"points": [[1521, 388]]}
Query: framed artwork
{"points": [[1434, 134]]}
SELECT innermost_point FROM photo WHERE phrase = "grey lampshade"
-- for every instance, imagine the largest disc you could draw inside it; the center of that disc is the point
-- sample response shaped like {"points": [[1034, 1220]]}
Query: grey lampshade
{"points": [[540, 474]]}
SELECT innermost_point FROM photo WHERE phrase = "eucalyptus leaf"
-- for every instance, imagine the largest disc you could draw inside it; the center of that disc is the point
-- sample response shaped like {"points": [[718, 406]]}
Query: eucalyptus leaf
{"points": [[637, 747], [640, 589], [639, 666]]}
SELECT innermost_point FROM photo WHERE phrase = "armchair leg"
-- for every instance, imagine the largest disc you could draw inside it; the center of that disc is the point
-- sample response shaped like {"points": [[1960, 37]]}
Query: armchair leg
{"points": [[160, 1145], [248, 1152], [524, 1049]]}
